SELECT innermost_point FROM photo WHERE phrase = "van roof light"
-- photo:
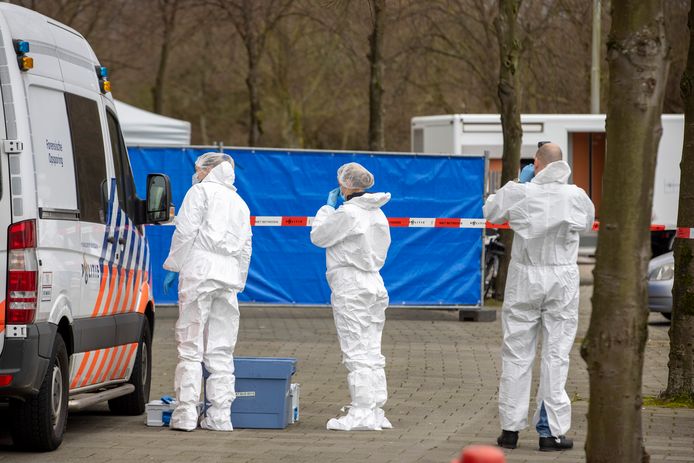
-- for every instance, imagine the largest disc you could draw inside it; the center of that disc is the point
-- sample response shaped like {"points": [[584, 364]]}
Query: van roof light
{"points": [[26, 63], [21, 46], [102, 72]]}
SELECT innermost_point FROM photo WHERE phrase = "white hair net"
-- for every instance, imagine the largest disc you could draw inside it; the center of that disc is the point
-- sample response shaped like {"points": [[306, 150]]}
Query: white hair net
{"points": [[355, 176], [209, 161]]}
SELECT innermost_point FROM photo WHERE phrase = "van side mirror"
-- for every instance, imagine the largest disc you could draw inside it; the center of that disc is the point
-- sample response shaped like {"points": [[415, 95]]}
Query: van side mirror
{"points": [[158, 198]]}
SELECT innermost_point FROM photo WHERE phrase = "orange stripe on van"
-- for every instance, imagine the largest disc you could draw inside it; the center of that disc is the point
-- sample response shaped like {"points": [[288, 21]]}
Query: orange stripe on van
{"points": [[107, 371], [127, 302], [102, 364], [80, 370], [104, 277], [137, 289], [95, 360], [133, 348], [2, 316], [124, 272], [126, 291], [111, 284], [144, 298], [119, 293], [120, 356]]}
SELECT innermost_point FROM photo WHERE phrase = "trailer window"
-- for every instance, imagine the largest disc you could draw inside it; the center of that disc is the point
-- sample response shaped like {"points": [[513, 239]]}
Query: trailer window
{"points": [[89, 155]]}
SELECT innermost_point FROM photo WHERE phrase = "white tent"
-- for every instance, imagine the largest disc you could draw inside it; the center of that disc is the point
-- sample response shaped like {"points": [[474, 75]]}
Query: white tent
{"points": [[142, 127]]}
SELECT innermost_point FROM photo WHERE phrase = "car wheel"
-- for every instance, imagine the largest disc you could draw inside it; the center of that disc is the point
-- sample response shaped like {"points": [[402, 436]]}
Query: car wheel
{"points": [[39, 421], [141, 376]]}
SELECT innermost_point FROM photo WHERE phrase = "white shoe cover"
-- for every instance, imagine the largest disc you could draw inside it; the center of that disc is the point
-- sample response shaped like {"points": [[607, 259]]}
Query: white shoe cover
{"points": [[381, 416], [360, 419], [184, 418], [206, 423]]}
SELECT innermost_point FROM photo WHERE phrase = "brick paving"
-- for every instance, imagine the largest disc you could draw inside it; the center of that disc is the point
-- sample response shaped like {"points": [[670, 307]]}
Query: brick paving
{"points": [[443, 379]]}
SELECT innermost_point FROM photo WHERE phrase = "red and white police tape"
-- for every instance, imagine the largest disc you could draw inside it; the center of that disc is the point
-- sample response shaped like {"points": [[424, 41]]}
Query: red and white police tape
{"points": [[407, 222], [421, 222], [410, 222], [685, 233]]}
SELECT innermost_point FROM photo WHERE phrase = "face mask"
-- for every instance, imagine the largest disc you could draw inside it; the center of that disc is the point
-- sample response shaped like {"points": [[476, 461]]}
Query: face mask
{"points": [[195, 178]]}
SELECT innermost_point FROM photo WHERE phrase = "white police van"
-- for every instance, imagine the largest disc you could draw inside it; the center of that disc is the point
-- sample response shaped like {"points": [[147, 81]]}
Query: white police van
{"points": [[76, 307]]}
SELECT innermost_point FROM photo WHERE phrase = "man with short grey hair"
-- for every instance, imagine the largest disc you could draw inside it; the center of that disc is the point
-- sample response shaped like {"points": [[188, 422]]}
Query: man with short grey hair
{"points": [[546, 215]]}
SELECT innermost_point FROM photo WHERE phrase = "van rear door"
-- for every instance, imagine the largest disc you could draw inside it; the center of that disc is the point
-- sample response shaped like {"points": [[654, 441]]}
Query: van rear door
{"points": [[5, 220]]}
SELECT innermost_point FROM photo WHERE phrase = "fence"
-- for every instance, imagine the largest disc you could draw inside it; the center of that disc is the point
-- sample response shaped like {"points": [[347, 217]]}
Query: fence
{"points": [[430, 262]]}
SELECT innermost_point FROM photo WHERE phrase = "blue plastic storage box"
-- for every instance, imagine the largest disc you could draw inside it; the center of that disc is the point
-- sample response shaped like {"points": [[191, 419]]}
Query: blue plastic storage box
{"points": [[262, 392]]}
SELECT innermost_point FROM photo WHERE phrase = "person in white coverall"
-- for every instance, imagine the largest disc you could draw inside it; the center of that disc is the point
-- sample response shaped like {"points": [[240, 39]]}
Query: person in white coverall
{"points": [[211, 250], [356, 237], [546, 215]]}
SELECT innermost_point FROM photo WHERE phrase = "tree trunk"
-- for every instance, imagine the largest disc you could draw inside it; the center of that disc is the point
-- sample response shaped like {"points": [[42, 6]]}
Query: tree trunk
{"points": [[509, 84], [158, 89], [376, 135], [168, 12], [251, 39], [680, 381], [614, 345], [255, 130]]}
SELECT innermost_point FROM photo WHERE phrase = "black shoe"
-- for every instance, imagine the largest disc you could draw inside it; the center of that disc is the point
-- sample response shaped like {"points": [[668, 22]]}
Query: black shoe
{"points": [[508, 439], [555, 444]]}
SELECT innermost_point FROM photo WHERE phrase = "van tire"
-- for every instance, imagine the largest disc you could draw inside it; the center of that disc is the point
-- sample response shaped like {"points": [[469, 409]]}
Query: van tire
{"points": [[141, 377], [39, 422]]}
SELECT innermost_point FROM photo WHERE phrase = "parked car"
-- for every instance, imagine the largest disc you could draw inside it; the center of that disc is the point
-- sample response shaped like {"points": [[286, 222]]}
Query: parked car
{"points": [[661, 273]]}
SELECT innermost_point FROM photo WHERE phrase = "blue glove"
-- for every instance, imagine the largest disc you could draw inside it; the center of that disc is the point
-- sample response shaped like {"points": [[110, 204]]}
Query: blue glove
{"points": [[332, 197], [527, 173], [169, 280]]}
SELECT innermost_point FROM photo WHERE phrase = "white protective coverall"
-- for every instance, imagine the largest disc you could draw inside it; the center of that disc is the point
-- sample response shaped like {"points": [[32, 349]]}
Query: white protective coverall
{"points": [[356, 237], [211, 250], [542, 285]]}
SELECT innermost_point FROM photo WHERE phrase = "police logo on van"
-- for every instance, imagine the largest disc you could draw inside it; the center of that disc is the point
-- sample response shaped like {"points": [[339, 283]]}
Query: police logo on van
{"points": [[55, 153], [90, 271]]}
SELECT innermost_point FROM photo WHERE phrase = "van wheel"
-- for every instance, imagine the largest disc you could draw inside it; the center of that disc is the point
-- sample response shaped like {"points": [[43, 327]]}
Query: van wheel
{"points": [[39, 422], [134, 403]]}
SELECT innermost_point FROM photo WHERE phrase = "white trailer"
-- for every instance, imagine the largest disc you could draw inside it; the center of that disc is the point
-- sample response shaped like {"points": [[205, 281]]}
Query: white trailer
{"points": [[581, 138]]}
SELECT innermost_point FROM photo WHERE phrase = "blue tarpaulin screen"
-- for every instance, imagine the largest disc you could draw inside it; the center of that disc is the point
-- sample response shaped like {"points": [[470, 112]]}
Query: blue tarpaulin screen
{"points": [[425, 266]]}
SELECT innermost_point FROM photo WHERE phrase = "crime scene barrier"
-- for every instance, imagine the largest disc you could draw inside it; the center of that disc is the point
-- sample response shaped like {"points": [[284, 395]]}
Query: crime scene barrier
{"points": [[433, 261]]}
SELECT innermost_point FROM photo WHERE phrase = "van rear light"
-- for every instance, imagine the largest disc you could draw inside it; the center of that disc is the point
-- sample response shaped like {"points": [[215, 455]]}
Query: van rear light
{"points": [[22, 274], [22, 235]]}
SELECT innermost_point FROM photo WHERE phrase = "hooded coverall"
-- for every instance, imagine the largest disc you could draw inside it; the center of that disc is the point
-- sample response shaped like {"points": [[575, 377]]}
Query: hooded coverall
{"points": [[546, 215], [356, 237], [211, 250]]}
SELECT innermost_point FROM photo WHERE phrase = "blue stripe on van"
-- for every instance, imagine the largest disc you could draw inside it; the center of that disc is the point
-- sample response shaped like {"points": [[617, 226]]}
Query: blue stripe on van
{"points": [[107, 229]]}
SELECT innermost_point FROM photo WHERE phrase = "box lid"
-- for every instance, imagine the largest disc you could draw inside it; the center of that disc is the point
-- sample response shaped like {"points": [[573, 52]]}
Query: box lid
{"points": [[264, 367]]}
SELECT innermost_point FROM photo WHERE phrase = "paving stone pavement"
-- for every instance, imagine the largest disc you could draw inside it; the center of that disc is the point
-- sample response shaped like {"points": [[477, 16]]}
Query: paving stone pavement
{"points": [[443, 380]]}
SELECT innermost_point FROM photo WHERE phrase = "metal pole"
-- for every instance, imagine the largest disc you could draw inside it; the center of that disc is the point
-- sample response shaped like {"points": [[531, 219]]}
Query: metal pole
{"points": [[595, 60], [484, 230]]}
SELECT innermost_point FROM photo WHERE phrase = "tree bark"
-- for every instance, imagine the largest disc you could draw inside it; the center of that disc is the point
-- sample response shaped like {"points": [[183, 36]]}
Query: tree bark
{"points": [[168, 11], [376, 133], [251, 37], [506, 25], [614, 345], [680, 383], [255, 129]]}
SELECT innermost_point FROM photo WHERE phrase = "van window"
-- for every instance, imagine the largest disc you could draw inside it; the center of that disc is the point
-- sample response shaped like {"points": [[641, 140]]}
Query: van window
{"points": [[52, 150], [88, 152], [126, 184]]}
